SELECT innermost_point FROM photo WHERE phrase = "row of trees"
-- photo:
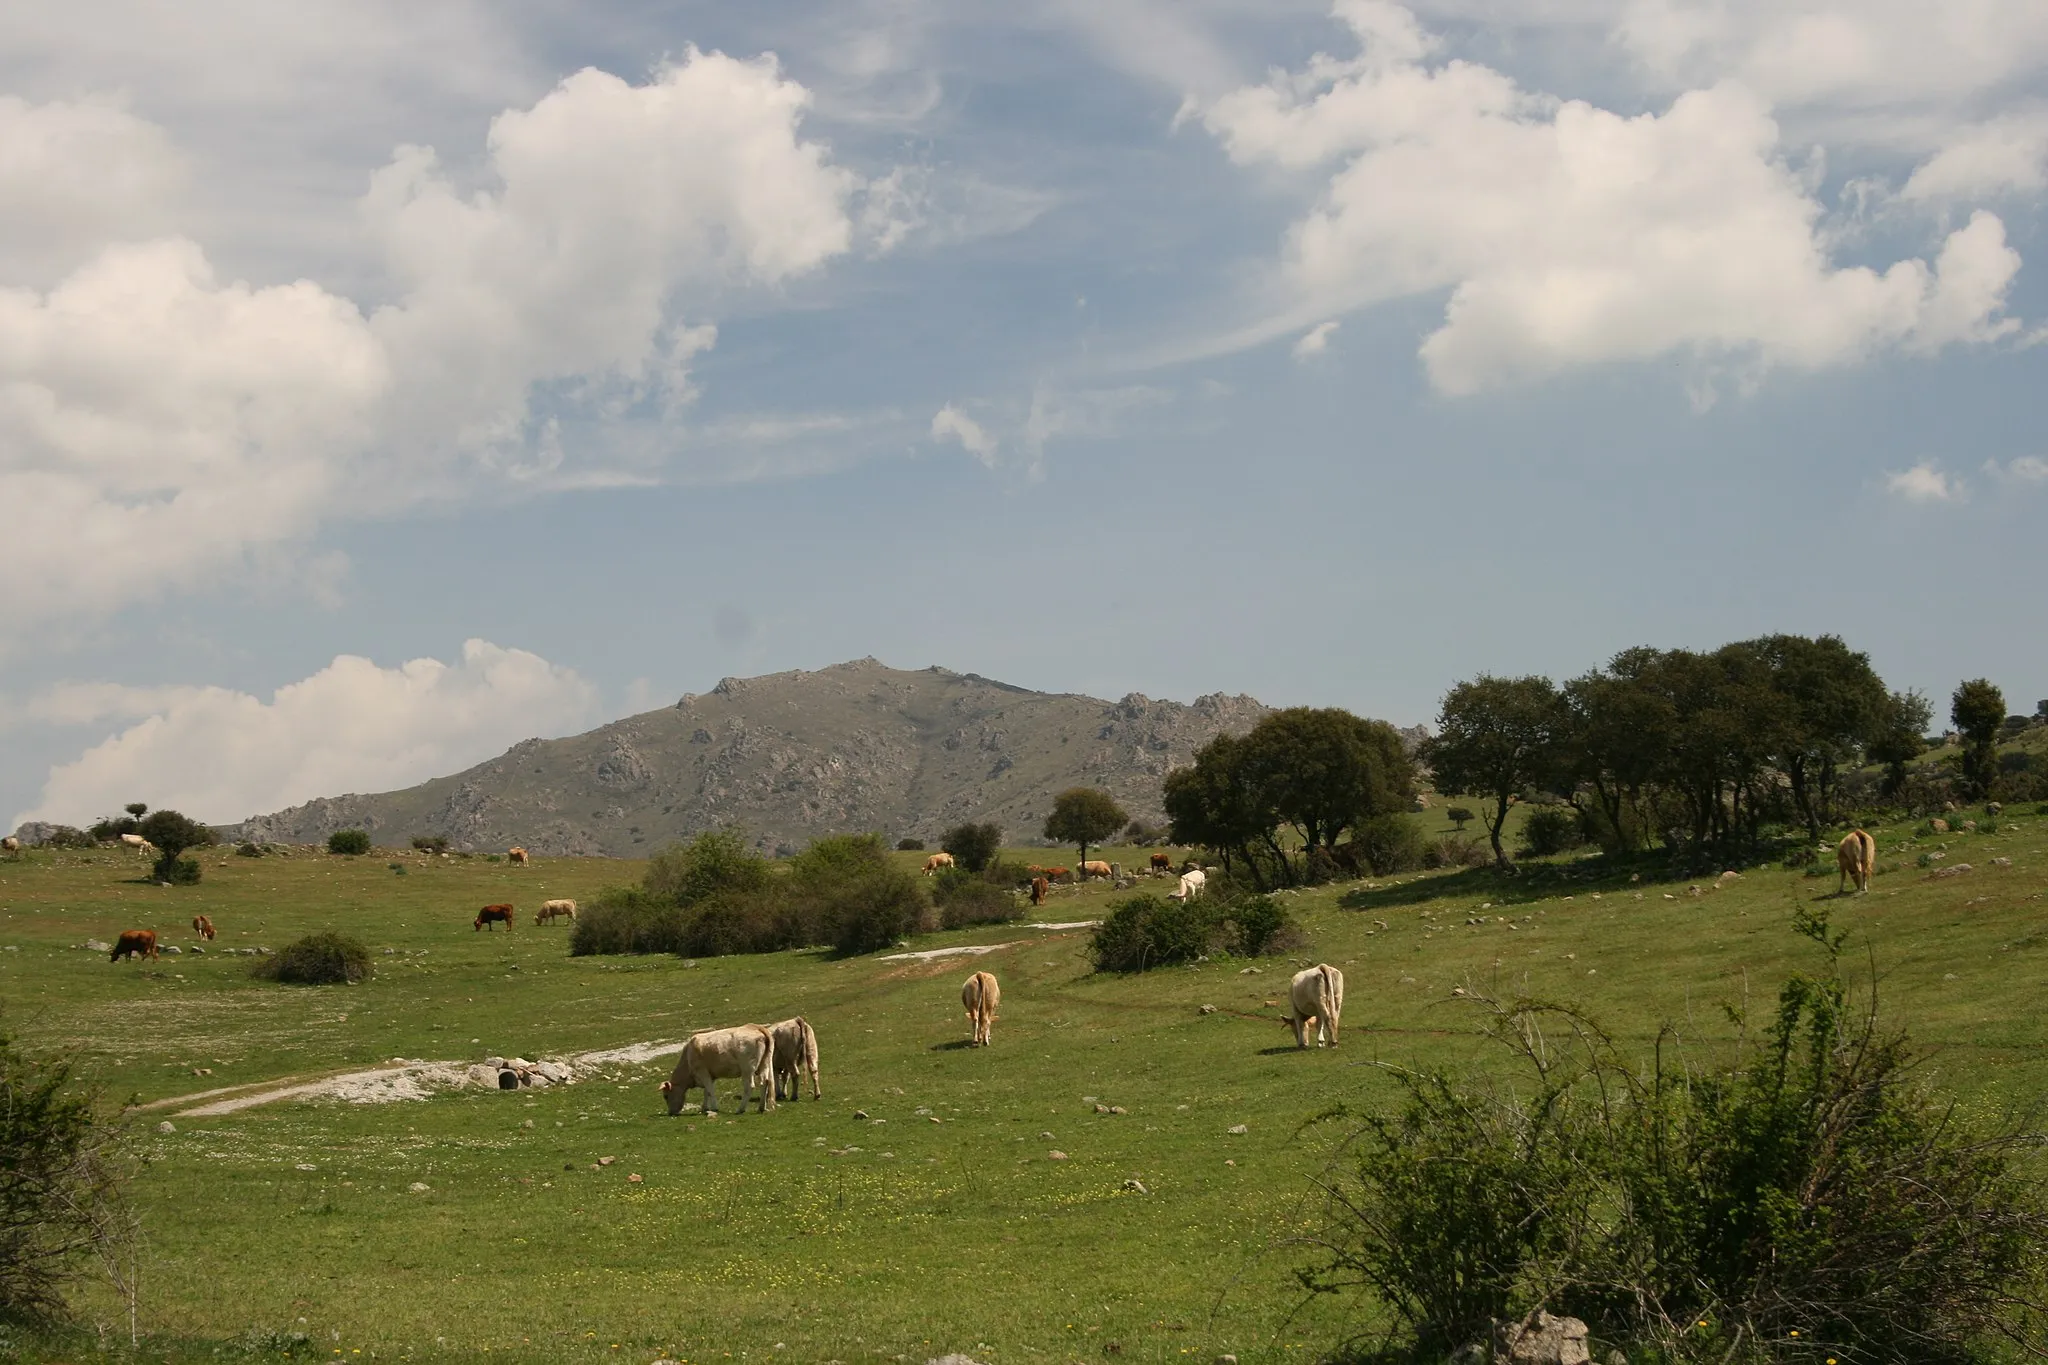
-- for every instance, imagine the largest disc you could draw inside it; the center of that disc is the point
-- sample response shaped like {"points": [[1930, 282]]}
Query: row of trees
{"points": [[1698, 749]]}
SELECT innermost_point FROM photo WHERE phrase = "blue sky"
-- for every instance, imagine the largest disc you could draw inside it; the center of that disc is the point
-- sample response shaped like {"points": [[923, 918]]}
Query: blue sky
{"points": [[379, 393]]}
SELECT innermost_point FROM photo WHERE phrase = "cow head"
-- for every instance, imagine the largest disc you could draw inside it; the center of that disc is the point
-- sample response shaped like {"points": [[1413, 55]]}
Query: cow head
{"points": [[673, 1097]]}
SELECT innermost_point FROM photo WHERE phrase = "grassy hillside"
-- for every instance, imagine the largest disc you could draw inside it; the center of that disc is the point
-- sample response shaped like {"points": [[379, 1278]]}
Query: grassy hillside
{"points": [[938, 1223]]}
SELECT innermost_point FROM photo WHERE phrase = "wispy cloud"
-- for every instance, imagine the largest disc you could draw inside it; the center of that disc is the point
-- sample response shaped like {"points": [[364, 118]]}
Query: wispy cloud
{"points": [[1924, 482], [1316, 340]]}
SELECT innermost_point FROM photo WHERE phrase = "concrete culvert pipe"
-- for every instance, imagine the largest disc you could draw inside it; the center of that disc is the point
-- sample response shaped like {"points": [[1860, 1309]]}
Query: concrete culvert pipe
{"points": [[508, 1080]]}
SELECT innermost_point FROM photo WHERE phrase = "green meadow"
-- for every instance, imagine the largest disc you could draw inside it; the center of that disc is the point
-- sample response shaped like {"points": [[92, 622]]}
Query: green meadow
{"points": [[506, 1226]]}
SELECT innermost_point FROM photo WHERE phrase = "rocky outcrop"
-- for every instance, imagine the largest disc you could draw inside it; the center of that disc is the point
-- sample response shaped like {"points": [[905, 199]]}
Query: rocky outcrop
{"points": [[791, 756]]}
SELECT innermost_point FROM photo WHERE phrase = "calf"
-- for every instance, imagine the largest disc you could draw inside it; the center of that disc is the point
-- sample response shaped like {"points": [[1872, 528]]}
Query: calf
{"points": [[796, 1052], [554, 910], [139, 942], [1040, 889], [203, 927], [1315, 995], [494, 915], [1856, 858], [745, 1054], [981, 995]]}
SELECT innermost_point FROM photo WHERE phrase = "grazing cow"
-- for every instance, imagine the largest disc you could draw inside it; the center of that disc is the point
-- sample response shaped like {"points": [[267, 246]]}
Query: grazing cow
{"points": [[1191, 884], [203, 927], [1092, 868], [1040, 889], [937, 861], [10, 845], [1162, 863], [516, 855], [554, 910], [1058, 875], [796, 1051], [981, 995], [140, 942], [1856, 857], [745, 1054], [1315, 995], [494, 915]]}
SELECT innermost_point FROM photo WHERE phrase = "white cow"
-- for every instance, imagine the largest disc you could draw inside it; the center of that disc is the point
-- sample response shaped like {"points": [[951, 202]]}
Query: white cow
{"points": [[796, 1051], [745, 1054], [1315, 994], [1191, 884], [552, 910], [10, 845], [134, 841]]}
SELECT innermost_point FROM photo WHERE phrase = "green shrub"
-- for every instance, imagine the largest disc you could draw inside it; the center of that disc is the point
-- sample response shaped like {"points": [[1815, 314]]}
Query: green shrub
{"points": [[910, 845], [397, 869], [176, 871], [716, 861], [67, 836], [626, 919], [323, 959], [1551, 829], [962, 898], [1806, 1198], [973, 846], [1259, 924], [1141, 932], [61, 1177], [1389, 844], [1001, 873], [1459, 816], [250, 849], [738, 922], [348, 842], [430, 843], [1450, 851]]}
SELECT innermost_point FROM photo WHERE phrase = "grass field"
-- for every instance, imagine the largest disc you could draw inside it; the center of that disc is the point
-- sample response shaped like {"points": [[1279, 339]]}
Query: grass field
{"points": [[940, 1222]]}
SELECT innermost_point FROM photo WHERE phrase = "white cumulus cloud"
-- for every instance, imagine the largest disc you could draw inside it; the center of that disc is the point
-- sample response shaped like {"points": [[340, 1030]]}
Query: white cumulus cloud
{"points": [[1570, 235], [1315, 340], [2008, 154], [164, 424], [220, 755], [949, 423], [1924, 482]]}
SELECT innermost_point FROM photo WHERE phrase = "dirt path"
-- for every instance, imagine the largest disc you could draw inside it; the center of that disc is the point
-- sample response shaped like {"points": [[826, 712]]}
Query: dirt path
{"points": [[977, 949]]}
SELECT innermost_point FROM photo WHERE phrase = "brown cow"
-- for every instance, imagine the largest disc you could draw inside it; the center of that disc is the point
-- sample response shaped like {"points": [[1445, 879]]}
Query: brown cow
{"points": [[140, 942], [1040, 889], [981, 995], [1856, 858], [1162, 863], [937, 861], [494, 915], [516, 855], [203, 927], [1058, 875]]}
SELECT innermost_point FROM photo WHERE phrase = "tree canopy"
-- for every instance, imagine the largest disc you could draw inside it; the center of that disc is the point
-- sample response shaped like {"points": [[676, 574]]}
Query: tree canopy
{"points": [[1496, 738], [1978, 710], [973, 846], [1084, 816]]}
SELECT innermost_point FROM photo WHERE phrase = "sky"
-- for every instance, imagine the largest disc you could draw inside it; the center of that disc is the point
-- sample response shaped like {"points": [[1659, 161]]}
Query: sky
{"points": [[383, 385]]}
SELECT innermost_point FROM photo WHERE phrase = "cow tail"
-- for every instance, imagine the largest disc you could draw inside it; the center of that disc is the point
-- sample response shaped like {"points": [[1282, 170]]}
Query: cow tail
{"points": [[810, 1054]]}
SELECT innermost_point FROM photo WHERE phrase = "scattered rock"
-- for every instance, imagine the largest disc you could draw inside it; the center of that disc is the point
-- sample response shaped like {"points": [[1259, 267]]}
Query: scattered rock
{"points": [[1958, 870], [1206, 1009], [202, 1071], [527, 1124], [197, 949], [860, 1113], [1994, 810], [1045, 1137], [1118, 1109], [1055, 1155], [1251, 971], [2001, 862], [633, 1179], [606, 1160], [1136, 1186], [1541, 1339], [1694, 891], [1226, 1360], [171, 950], [1726, 878], [93, 945], [1938, 825], [955, 1359], [1102, 1109], [422, 1187], [307, 1166], [1239, 1129], [166, 1127]]}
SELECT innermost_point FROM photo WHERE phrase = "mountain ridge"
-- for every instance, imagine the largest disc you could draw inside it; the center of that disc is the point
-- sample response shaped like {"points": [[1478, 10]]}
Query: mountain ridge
{"points": [[787, 757]]}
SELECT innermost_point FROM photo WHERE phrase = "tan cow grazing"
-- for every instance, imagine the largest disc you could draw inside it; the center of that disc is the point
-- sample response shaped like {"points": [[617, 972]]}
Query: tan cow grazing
{"points": [[203, 927], [1315, 995], [516, 855], [1092, 868], [554, 910], [134, 841], [1856, 857], [981, 995], [494, 915], [139, 942], [1040, 889], [796, 1052], [745, 1054], [1162, 863], [10, 845], [1191, 884], [937, 861]]}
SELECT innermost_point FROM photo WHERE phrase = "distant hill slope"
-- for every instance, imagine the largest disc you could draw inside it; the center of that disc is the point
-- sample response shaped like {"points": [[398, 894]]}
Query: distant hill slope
{"points": [[792, 756]]}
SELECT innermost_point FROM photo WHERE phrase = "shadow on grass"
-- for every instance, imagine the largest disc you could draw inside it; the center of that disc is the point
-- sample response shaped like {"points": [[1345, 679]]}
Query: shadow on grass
{"points": [[1535, 879], [957, 1045]]}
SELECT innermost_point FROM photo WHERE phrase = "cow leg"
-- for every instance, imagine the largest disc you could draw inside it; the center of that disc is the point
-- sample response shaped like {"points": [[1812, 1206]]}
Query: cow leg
{"points": [[710, 1094]]}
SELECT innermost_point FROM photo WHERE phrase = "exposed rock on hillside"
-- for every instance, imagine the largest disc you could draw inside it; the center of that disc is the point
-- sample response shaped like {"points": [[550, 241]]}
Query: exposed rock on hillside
{"points": [[792, 756]]}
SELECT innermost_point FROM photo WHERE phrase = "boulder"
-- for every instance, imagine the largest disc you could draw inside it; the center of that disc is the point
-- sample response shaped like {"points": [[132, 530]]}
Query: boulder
{"points": [[1938, 825], [1541, 1339], [1994, 810]]}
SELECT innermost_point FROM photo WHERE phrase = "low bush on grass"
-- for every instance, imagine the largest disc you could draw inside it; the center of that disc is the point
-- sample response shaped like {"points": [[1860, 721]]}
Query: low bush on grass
{"points": [[1549, 830], [1451, 851], [626, 919], [324, 959], [1806, 1198], [67, 836], [1146, 931], [349, 842], [61, 1177], [910, 845], [1389, 844], [250, 849], [175, 871], [430, 843], [962, 899], [973, 846]]}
